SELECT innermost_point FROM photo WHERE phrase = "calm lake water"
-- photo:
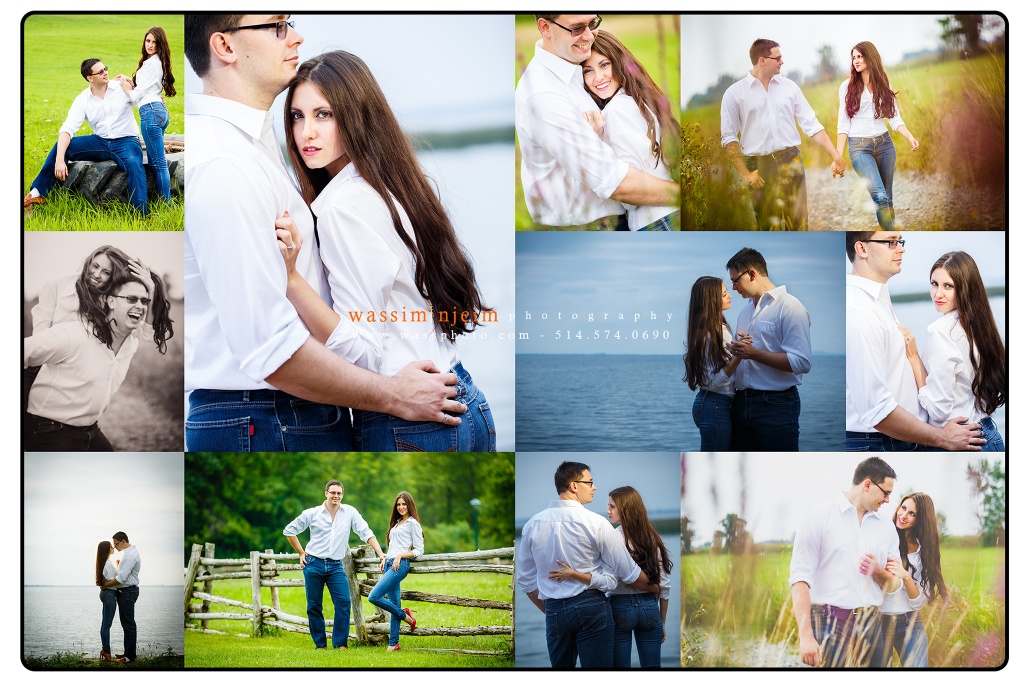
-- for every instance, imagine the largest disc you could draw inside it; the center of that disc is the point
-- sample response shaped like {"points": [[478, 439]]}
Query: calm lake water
{"points": [[640, 403], [531, 643], [67, 618]]}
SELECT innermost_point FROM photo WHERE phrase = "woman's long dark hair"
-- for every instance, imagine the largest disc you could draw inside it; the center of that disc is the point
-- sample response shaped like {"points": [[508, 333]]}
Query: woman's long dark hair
{"points": [[163, 51], [642, 541], [883, 97], [90, 300], [988, 355], [373, 140], [102, 555], [395, 517], [705, 344], [96, 317], [926, 533], [638, 84]]}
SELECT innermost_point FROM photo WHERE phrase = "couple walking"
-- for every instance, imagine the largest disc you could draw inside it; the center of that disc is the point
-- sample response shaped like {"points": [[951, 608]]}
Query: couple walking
{"points": [[119, 591]]}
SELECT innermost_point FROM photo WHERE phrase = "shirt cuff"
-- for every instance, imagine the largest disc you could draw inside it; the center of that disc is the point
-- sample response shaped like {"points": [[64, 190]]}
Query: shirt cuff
{"points": [[266, 359], [613, 180]]}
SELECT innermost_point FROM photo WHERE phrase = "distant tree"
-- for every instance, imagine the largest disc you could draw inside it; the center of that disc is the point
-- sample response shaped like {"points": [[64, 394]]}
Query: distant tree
{"points": [[686, 535], [943, 525], [988, 480], [827, 68], [961, 33], [717, 542], [735, 535]]}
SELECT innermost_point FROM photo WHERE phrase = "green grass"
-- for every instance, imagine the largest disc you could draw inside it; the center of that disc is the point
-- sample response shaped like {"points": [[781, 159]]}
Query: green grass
{"points": [[52, 79], [77, 661], [747, 599], [279, 649]]}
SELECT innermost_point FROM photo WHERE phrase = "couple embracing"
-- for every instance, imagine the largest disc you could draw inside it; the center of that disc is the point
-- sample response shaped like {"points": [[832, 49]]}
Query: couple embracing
{"points": [[269, 360]]}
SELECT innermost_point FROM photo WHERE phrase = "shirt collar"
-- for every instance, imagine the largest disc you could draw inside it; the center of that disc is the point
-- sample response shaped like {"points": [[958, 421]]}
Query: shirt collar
{"points": [[775, 294], [750, 79], [344, 175], [947, 322], [562, 69], [870, 287], [845, 506], [559, 503], [242, 116]]}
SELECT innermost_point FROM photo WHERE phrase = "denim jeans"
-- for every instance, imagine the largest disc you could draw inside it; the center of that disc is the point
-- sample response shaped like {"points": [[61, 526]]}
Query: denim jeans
{"points": [[904, 632], [581, 626], [264, 420], [848, 638], [154, 120], [109, 599], [126, 152], [712, 413], [781, 203], [876, 442], [637, 616], [874, 160], [766, 420], [126, 599], [993, 439], [43, 435], [666, 223], [387, 595], [380, 432], [330, 573]]}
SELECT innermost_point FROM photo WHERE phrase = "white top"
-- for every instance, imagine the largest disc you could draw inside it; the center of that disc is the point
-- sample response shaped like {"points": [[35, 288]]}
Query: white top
{"points": [[58, 303], [762, 120], [948, 393], [617, 587], [864, 124], [626, 131], [878, 375], [239, 325], [584, 540], [80, 373], [372, 275], [328, 539], [568, 173], [109, 116], [899, 602], [827, 551], [406, 536], [128, 570], [149, 82], [778, 322], [719, 382], [109, 572]]}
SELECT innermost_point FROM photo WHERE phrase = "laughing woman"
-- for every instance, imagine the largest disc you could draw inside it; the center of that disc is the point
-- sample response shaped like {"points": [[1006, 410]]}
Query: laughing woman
{"points": [[405, 541]]}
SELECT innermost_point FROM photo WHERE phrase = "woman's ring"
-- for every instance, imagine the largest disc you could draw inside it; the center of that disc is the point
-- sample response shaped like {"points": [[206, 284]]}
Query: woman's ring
{"points": [[290, 246]]}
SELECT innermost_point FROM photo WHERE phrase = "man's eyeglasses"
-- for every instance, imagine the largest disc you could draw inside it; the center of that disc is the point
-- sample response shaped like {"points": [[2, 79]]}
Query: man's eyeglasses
{"points": [[892, 243], [588, 483], [132, 300], [578, 30], [100, 72], [736, 279], [777, 59], [885, 493], [280, 28]]}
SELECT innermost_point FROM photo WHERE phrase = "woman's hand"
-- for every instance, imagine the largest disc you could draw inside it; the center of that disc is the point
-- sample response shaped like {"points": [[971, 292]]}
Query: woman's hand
{"points": [[910, 341], [396, 564], [289, 241], [914, 144], [566, 573], [596, 121], [125, 83], [838, 169], [142, 272], [896, 568]]}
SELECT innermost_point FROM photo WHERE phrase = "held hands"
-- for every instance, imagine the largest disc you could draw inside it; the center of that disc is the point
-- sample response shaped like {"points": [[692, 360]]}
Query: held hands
{"points": [[838, 168], [289, 241], [742, 347], [596, 121]]}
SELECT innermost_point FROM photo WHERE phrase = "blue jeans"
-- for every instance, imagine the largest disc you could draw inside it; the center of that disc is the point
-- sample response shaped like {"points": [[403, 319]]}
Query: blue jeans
{"points": [[712, 413], [766, 420], [154, 120], [380, 432], [876, 442], [993, 439], [45, 435], [126, 599], [781, 203], [126, 152], [109, 599], [264, 420], [904, 632], [637, 616], [848, 638], [581, 626], [387, 595], [666, 223], [874, 160], [331, 573]]}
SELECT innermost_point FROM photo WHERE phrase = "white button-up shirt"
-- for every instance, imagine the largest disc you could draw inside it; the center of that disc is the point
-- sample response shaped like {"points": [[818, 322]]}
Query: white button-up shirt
{"points": [[863, 124], [149, 81], [405, 537], [568, 173], [827, 552], [109, 572], [613, 586], [372, 275], [80, 373], [566, 531], [878, 375], [328, 538], [778, 322], [128, 570], [946, 357], [718, 381], [898, 602], [109, 116], [762, 120], [239, 325]]}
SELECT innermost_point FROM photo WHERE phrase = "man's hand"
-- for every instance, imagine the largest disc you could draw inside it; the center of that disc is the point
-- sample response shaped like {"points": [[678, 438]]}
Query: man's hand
{"points": [[957, 435], [302, 559], [60, 169], [420, 393], [838, 168], [754, 179], [867, 564], [810, 651]]}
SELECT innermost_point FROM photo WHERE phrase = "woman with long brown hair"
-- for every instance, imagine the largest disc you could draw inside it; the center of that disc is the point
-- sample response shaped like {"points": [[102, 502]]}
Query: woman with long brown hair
{"points": [[106, 570], [402, 286], [153, 79], [920, 572], [636, 121], [709, 367], [963, 369], [866, 103], [405, 541]]}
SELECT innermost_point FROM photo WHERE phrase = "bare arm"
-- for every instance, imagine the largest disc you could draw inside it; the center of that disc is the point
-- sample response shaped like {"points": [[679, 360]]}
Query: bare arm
{"points": [[534, 596], [956, 435], [644, 584], [60, 168], [732, 150], [773, 359], [294, 540], [810, 651], [905, 132], [838, 165], [920, 374], [643, 189]]}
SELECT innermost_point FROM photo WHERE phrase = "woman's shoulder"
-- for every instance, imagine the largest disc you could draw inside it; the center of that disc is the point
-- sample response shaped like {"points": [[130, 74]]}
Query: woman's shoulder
{"points": [[845, 85]]}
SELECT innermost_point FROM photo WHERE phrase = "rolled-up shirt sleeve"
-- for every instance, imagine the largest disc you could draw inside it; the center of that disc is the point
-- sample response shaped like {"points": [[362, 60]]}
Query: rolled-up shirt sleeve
{"points": [[871, 399], [76, 116], [806, 547], [942, 360], [297, 525], [151, 73], [796, 338], [603, 581], [360, 526], [844, 123], [805, 115], [614, 555], [417, 540], [526, 565]]}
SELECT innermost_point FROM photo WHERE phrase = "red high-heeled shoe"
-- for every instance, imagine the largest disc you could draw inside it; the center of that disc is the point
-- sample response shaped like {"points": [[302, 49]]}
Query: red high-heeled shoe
{"points": [[411, 619], [394, 648]]}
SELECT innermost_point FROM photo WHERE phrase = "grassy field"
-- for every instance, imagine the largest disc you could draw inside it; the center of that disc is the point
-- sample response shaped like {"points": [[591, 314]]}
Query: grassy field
{"points": [[654, 40], [52, 80], [279, 649], [730, 602]]}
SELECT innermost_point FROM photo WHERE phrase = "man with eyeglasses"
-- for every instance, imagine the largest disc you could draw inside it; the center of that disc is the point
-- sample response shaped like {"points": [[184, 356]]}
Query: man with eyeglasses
{"points": [[565, 534], [127, 582], [322, 561], [569, 175], [258, 379], [115, 137], [837, 573], [882, 410], [761, 139]]}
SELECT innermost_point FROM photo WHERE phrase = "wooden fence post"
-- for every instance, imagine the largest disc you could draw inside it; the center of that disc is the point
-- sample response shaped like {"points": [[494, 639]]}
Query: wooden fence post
{"points": [[190, 575], [355, 598], [275, 599], [208, 551], [257, 611]]}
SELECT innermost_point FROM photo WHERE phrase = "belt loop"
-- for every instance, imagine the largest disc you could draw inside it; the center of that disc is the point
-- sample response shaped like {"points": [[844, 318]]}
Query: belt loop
{"points": [[245, 396]]}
